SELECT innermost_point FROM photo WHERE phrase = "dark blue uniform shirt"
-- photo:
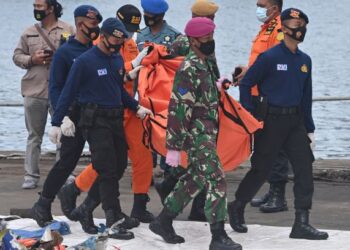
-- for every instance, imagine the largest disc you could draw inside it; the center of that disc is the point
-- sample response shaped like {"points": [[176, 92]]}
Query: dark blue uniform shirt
{"points": [[284, 78], [61, 63], [96, 78]]}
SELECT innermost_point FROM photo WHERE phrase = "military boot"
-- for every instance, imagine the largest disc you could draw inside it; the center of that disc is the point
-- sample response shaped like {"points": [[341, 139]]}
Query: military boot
{"points": [[235, 210], [84, 214], [41, 211], [116, 231], [166, 186], [276, 201], [257, 202], [197, 210], [139, 209], [68, 195], [303, 230], [163, 226], [220, 239]]}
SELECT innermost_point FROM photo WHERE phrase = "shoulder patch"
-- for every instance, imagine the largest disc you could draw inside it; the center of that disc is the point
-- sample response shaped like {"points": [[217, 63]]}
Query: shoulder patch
{"points": [[182, 90], [304, 68]]}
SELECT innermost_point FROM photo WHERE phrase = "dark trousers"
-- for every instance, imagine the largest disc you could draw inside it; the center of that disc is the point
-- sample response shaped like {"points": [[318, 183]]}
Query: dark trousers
{"points": [[71, 149], [108, 148], [281, 132], [280, 168]]}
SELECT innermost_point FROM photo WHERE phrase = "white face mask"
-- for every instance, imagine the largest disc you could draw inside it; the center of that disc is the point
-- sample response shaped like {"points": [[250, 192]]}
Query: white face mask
{"points": [[261, 14]]}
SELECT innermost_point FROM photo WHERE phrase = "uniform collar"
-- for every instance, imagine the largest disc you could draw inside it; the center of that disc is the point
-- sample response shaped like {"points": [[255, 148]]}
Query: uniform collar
{"points": [[273, 22], [74, 41], [165, 26], [284, 47], [58, 25], [99, 53], [199, 63]]}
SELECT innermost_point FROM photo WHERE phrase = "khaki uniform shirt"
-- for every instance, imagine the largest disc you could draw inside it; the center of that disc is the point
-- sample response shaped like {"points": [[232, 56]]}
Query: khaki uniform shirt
{"points": [[35, 81]]}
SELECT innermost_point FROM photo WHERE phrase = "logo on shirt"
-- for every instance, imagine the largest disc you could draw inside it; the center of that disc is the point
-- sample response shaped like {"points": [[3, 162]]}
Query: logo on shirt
{"points": [[282, 67], [167, 38], [102, 72], [304, 68]]}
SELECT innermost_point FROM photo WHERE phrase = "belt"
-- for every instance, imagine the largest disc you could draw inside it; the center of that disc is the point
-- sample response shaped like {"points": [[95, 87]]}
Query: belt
{"points": [[113, 112], [283, 111]]}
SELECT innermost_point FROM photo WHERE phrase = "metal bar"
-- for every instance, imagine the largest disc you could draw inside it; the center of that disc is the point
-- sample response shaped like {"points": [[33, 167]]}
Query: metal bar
{"points": [[316, 99]]}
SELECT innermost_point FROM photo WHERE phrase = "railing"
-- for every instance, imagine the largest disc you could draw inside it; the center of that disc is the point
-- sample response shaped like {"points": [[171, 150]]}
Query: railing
{"points": [[316, 99]]}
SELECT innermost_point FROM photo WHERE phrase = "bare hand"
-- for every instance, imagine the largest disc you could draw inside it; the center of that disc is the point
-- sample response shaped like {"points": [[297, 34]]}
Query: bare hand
{"points": [[40, 58], [239, 78]]}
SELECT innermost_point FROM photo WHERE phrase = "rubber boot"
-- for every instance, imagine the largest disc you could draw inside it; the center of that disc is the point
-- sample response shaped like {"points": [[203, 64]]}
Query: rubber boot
{"points": [[163, 226], [166, 186], [276, 201], [235, 210], [303, 230], [220, 239], [116, 231], [84, 214], [257, 202], [139, 210], [41, 211], [197, 210], [68, 195]]}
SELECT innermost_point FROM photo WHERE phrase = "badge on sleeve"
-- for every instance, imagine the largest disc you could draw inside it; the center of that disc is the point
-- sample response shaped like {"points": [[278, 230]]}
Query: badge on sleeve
{"points": [[182, 91], [304, 68]]}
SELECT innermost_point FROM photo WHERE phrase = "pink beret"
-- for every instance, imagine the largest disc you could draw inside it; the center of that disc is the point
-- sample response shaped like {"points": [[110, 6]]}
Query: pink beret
{"points": [[199, 26]]}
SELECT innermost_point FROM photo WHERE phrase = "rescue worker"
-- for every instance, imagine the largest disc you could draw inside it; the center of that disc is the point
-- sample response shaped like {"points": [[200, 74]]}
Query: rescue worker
{"points": [[181, 47], [34, 54], [87, 19], [193, 127], [268, 12], [157, 30], [139, 155], [102, 98], [284, 79]]}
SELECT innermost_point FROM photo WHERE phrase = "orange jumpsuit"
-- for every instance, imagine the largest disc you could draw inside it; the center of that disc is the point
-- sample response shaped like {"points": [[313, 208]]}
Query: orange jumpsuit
{"points": [[269, 36], [140, 156]]}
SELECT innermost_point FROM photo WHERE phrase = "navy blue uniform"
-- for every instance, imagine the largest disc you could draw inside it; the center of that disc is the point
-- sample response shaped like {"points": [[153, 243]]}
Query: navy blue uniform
{"points": [[71, 147], [285, 79], [98, 79]]}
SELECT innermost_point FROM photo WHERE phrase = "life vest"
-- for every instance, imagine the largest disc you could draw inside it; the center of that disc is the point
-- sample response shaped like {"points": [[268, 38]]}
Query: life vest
{"points": [[236, 125]]}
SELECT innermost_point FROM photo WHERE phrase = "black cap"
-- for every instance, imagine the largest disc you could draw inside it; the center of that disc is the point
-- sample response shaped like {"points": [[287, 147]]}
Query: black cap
{"points": [[88, 11], [293, 13], [130, 17], [113, 27]]}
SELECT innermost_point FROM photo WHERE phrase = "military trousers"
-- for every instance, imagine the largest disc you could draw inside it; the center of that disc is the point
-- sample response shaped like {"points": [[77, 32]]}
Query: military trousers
{"points": [[281, 132], [204, 172]]}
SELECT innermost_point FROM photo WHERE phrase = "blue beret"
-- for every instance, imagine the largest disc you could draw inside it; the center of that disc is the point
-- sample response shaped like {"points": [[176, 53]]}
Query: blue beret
{"points": [[293, 13], [88, 11], [154, 6], [113, 27]]}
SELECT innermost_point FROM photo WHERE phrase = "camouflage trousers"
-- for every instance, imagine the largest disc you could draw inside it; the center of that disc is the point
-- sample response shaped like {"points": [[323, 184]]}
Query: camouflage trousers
{"points": [[204, 171]]}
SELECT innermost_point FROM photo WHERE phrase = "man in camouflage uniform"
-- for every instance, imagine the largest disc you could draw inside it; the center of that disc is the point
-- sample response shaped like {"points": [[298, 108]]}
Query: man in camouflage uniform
{"points": [[193, 127]]}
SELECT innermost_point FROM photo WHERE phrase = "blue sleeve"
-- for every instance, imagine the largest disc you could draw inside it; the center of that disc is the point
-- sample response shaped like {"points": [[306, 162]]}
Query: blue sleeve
{"points": [[127, 100], [254, 75], [307, 103], [69, 92], [58, 74]]}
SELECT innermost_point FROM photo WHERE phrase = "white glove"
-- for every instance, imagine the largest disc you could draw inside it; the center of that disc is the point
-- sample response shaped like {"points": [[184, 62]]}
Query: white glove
{"points": [[55, 135], [137, 61], [132, 74], [68, 127], [142, 112], [312, 139]]}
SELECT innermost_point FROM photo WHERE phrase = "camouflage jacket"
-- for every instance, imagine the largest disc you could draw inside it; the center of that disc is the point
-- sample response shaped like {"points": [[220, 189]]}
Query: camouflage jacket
{"points": [[180, 47], [193, 107]]}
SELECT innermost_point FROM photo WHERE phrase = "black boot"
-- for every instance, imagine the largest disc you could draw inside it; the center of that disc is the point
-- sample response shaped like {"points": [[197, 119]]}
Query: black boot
{"points": [[197, 210], [276, 201], [166, 186], [116, 231], [235, 210], [41, 211], [68, 197], [163, 226], [129, 222], [303, 230], [84, 214], [139, 210], [257, 202], [220, 239]]}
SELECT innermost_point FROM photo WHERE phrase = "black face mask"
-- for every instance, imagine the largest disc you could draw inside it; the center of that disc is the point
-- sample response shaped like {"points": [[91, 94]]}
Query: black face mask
{"points": [[39, 15], [92, 33], [298, 33], [114, 48], [207, 48], [151, 21]]}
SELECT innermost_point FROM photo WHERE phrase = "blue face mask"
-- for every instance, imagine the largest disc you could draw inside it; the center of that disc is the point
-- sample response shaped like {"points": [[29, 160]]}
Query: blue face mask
{"points": [[261, 14]]}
